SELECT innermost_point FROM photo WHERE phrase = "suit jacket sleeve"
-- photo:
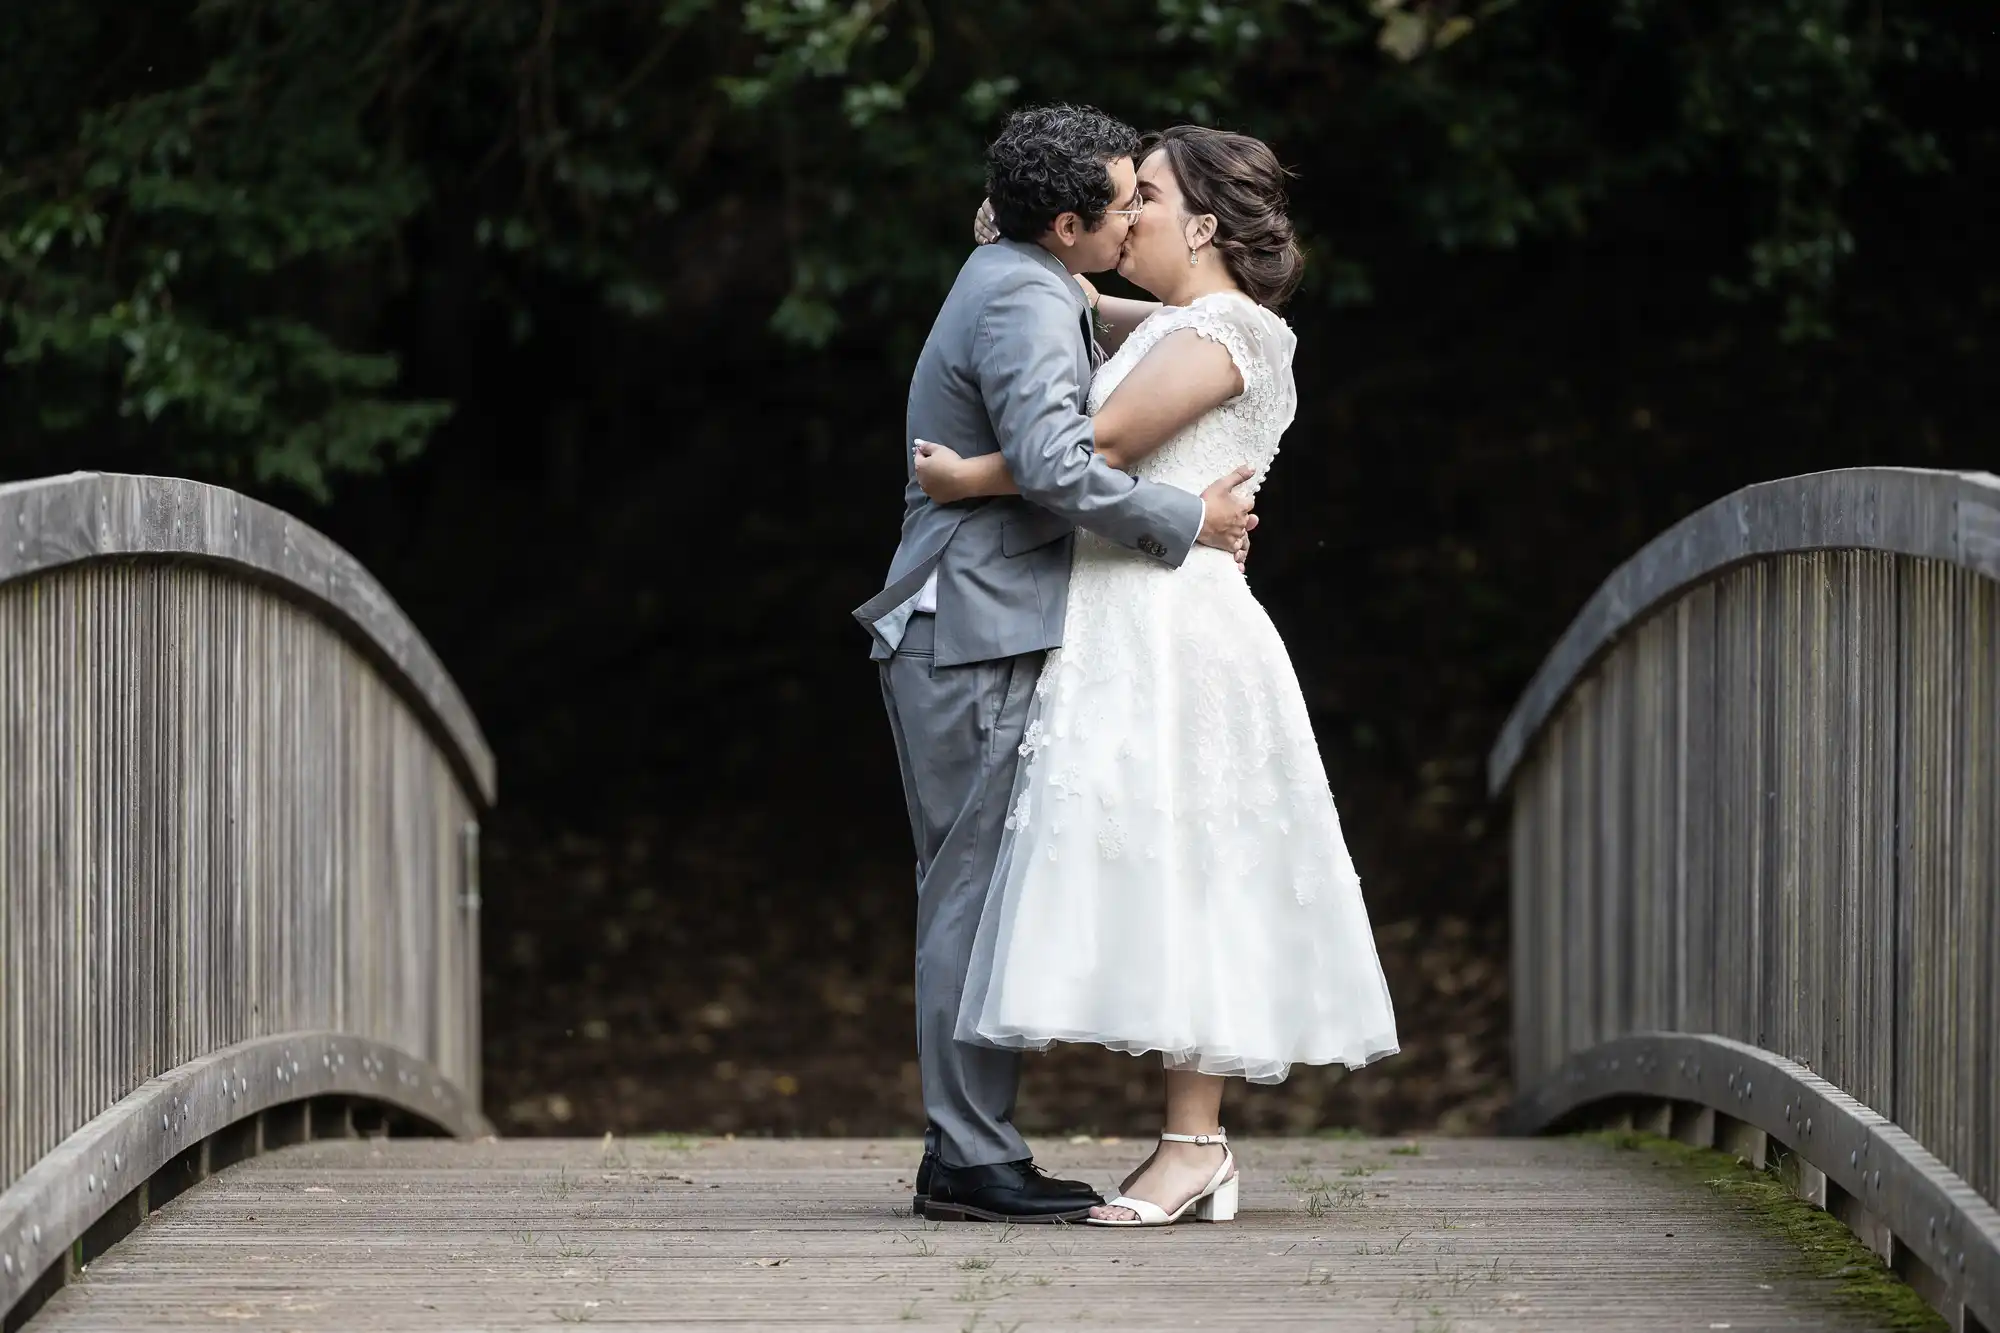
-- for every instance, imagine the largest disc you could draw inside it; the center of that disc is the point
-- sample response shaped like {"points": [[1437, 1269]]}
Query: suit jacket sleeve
{"points": [[1025, 358]]}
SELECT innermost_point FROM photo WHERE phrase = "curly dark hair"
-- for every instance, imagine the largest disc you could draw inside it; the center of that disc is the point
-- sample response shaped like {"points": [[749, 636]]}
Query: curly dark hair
{"points": [[1240, 181], [1050, 160]]}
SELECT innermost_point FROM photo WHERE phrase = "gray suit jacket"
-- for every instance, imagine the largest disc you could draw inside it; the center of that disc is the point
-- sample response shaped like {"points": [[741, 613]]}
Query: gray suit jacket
{"points": [[1007, 366]]}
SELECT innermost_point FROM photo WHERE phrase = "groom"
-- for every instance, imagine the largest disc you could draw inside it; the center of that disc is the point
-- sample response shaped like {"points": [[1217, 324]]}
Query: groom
{"points": [[976, 593]]}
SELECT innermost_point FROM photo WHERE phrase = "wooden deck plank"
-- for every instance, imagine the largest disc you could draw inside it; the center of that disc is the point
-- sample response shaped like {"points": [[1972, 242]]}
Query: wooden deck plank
{"points": [[1461, 1236]]}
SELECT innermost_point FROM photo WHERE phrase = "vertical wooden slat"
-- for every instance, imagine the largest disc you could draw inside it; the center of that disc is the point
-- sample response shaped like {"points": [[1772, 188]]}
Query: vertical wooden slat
{"points": [[1785, 722], [1742, 706], [1880, 706], [1610, 870], [1984, 739], [1699, 802], [1970, 812], [1579, 971], [1652, 736], [1920, 929], [1537, 960]]}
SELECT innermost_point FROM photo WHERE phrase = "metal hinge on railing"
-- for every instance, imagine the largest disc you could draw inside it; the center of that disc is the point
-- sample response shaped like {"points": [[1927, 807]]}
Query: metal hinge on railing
{"points": [[468, 874]]}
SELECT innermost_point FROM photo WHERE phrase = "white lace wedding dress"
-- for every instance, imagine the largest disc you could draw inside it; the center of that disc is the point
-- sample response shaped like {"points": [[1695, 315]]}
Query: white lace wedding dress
{"points": [[1173, 876]]}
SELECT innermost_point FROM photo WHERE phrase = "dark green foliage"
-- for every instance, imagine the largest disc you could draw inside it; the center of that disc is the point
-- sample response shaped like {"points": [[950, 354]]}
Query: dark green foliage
{"points": [[211, 213], [1826, 1249]]}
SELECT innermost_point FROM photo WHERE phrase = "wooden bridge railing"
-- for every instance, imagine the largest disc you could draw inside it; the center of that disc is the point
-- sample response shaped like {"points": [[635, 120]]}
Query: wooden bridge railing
{"points": [[239, 803], [1756, 856]]}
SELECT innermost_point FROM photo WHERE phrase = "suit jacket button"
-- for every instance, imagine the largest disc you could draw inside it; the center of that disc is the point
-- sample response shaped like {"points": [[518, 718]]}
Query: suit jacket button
{"points": [[1151, 546]]}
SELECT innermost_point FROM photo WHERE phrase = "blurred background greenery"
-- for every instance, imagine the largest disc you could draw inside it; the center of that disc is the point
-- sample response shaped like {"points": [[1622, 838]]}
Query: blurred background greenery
{"points": [[586, 324]]}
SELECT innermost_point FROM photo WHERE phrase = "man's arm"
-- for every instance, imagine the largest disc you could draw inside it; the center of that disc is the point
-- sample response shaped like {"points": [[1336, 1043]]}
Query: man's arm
{"points": [[1025, 359], [947, 479]]}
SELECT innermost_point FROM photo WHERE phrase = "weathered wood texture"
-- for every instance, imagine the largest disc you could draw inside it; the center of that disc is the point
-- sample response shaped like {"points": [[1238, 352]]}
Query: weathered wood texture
{"points": [[1917, 1214], [1949, 517], [238, 849], [217, 822], [1756, 795], [90, 516], [1770, 813], [218, 818], [1464, 1235], [171, 1132]]}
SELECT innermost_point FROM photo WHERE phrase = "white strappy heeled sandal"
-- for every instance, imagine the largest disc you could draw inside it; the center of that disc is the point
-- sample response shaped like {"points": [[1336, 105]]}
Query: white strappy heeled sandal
{"points": [[1216, 1203]]}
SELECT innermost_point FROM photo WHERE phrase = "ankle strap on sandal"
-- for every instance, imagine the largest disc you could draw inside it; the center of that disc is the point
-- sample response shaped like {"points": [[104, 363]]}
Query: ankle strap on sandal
{"points": [[1220, 1136]]}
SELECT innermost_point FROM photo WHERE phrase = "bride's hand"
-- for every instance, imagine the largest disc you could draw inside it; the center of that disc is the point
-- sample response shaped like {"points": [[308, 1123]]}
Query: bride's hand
{"points": [[983, 230], [940, 472]]}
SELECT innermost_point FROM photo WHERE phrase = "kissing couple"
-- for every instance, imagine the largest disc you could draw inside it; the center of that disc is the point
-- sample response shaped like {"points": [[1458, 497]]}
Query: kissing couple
{"points": [[1123, 830]]}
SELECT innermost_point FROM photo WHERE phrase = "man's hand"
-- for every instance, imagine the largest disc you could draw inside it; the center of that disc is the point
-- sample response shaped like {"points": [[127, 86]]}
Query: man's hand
{"points": [[1227, 519], [1243, 551], [983, 230], [939, 472]]}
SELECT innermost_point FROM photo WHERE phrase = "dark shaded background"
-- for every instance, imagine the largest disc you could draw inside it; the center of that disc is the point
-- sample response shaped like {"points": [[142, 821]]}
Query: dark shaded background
{"points": [[699, 900], [1533, 343]]}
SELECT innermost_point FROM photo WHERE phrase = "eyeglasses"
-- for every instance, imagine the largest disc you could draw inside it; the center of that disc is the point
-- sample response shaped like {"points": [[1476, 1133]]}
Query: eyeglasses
{"points": [[1129, 214]]}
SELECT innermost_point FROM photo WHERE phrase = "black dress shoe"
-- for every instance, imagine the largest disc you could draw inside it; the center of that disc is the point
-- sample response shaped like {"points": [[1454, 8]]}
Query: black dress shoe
{"points": [[929, 1163], [1005, 1192]]}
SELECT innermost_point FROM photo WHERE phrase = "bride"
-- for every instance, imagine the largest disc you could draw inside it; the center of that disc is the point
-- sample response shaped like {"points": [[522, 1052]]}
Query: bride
{"points": [[1173, 876]]}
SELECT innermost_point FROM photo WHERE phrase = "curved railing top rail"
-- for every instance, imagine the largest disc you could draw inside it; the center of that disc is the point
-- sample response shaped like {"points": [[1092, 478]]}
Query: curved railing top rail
{"points": [[84, 516], [1948, 516]]}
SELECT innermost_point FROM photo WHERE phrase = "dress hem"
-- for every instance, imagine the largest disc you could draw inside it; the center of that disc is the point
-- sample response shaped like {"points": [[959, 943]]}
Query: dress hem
{"points": [[1264, 1071]]}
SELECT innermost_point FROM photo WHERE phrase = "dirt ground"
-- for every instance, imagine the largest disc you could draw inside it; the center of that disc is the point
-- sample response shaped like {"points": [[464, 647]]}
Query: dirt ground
{"points": [[635, 985]]}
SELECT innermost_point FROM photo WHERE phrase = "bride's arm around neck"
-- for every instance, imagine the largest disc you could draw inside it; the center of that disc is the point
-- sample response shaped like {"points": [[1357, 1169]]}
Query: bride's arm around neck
{"points": [[1115, 316]]}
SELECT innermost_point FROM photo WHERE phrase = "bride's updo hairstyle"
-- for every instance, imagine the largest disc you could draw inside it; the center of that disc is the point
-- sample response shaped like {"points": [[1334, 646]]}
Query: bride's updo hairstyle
{"points": [[1239, 180]]}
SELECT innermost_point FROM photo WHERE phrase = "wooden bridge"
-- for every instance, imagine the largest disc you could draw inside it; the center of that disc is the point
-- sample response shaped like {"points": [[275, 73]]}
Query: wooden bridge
{"points": [[1756, 876]]}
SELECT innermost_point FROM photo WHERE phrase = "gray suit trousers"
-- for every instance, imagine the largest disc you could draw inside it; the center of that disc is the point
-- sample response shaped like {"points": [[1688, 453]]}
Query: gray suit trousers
{"points": [[958, 732]]}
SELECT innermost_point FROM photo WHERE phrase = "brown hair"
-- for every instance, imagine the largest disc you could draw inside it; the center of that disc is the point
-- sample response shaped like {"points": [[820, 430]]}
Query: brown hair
{"points": [[1240, 181]]}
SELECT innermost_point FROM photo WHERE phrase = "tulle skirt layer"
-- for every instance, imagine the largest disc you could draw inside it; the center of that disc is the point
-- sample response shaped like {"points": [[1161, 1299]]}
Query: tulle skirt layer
{"points": [[1174, 877]]}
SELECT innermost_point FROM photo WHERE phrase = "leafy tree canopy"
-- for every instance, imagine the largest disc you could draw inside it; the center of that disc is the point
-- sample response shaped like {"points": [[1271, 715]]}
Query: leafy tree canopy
{"points": [[210, 211]]}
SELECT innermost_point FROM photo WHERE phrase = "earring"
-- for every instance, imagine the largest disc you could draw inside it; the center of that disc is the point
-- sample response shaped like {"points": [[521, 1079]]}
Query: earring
{"points": [[1194, 257]]}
